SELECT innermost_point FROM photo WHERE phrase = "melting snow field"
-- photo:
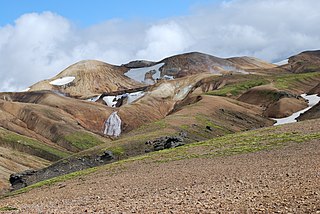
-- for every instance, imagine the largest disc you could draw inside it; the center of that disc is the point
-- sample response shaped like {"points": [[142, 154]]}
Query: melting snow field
{"points": [[312, 100], [94, 99], [113, 125], [111, 101], [138, 74], [62, 81]]}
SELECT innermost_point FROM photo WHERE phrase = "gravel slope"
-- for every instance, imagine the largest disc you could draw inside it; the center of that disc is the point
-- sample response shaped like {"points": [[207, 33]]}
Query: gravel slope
{"points": [[282, 180]]}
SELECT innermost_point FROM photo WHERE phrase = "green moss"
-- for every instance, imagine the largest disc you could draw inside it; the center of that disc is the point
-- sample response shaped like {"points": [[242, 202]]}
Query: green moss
{"points": [[153, 126], [184, 127], [312, 68], [31, 146], [7, 208], [205, 121], [288, 80], [238, 88], [117, 150], [233, 144], [82, 140]]}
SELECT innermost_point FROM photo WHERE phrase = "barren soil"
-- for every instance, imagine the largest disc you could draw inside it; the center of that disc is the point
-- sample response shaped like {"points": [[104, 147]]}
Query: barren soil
{"points": [[283, 180]]}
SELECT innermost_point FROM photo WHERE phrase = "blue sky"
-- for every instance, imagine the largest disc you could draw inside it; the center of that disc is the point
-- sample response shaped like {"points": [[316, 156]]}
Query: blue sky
{"points": [[40, 38], [88, 12]]}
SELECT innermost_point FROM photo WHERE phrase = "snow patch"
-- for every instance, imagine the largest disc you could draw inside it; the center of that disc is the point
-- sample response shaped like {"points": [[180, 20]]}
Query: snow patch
{"points": [[138, 74], [312, 100], [94, 99], [283, 62], [112, 101], [62, 81], [134, 96], [168, 77], [113, 125]]}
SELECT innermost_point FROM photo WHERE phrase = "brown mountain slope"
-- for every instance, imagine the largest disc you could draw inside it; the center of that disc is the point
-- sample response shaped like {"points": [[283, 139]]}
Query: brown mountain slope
{"points": [[315, 90], [42, 127], [195, 62], [276, 103], [250, 63], [91, 79], [52, 116], [313, 113], [307, 61]]}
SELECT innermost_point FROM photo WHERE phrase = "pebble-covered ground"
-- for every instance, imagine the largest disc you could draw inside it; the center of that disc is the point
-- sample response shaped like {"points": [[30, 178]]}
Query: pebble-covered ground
{"points": [[285, 180]]}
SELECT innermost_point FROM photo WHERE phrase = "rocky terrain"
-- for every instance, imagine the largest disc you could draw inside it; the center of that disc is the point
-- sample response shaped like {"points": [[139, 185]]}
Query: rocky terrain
{"points": [[283, 178], [96, 114]]}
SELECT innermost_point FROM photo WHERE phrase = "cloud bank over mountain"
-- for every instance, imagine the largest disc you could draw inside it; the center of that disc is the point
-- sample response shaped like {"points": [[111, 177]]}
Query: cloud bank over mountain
{"points": [[38, 45]]}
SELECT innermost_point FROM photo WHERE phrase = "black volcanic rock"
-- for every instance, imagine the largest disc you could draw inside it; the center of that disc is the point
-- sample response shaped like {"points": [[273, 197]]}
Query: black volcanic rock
{"points": [[166, 142]]}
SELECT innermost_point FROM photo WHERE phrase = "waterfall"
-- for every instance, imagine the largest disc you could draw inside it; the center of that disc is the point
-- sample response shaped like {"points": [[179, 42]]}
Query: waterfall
{"points": [[113, 125]]}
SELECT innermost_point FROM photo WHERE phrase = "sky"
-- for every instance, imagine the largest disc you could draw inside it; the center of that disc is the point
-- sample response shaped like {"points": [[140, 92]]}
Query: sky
{"points": [[38, 39]]}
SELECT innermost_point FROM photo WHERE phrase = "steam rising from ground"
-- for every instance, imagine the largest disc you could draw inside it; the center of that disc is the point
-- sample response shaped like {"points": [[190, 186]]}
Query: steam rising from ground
{"points": [[39, 45]]}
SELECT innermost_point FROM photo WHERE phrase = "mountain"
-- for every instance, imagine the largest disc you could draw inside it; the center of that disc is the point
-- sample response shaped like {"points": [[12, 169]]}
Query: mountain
{"points": [[90, 78], [93, 113], [87, 79], [194, 63], [307, 61]]}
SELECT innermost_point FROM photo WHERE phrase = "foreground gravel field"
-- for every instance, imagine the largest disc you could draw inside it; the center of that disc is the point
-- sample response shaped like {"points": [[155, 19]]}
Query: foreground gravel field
{"points": [[285, 180]]}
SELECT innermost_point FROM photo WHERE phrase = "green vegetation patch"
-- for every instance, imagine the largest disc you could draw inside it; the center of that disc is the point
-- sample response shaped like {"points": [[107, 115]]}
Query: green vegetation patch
{"points": [[288, 80], [7, 208], [151, 127], [205, 121], [117, 150], [83, 140], [238, 88], [30, 146], [232, 144], [312, 68]]}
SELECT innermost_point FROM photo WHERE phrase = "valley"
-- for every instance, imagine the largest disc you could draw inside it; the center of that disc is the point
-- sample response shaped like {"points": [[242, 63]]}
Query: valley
{"points": [[160, 126]]}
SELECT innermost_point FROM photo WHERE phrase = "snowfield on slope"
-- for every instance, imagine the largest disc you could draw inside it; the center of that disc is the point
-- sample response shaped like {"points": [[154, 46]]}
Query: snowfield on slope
{"points": [[111, 101], [62, 81], [312, 100], [138, 74], [113, 125]]}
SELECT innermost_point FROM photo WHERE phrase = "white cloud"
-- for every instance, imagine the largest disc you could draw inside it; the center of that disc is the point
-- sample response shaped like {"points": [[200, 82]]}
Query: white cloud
{"points": [[164, 40], [38, 46]]}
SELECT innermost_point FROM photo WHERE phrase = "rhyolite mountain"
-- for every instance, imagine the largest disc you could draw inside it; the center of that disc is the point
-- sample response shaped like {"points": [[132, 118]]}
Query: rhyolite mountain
{"points": [[64, 124]]}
